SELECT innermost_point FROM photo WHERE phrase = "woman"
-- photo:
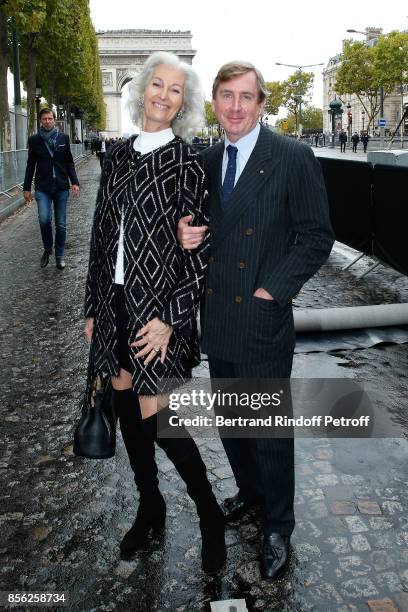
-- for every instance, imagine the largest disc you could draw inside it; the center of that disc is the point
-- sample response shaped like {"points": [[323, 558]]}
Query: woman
{"points": [[143, 290]]}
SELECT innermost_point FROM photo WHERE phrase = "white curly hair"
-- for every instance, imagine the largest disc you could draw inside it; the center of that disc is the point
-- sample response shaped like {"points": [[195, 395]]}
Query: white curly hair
{"points": [[193, 104]]}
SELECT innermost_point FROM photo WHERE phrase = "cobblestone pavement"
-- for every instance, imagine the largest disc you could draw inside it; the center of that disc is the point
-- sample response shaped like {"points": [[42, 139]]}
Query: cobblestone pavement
{"points": [[62, 517]]}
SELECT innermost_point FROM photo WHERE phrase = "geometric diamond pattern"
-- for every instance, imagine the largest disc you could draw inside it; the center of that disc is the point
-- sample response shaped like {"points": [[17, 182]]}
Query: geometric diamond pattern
{"points": [[160, 278]]}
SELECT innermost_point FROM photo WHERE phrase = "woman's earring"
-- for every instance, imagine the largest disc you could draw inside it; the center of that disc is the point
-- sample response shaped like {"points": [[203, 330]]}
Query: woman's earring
{"points": [[180, 114], [140, 102]]}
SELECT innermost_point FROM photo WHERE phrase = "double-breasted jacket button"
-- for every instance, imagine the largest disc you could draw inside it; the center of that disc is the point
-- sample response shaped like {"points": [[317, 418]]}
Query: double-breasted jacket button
{"points": [[210, 291], [241, 265], [249, 231], [211, 259], [238, 299]]}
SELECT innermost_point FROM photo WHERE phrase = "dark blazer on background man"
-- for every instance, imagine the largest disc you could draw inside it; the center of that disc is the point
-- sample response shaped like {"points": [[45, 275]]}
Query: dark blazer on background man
{"points": [[273, 233], [41, 163]]}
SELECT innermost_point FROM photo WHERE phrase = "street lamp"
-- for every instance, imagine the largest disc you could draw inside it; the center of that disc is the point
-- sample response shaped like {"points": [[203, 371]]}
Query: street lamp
{"points": [[382, 131], [350, 122], [299, 67], [37, 103], [357, 32]]}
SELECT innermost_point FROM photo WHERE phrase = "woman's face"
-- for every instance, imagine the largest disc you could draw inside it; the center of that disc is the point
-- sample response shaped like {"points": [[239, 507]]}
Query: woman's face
{"points": [[163, 98]]}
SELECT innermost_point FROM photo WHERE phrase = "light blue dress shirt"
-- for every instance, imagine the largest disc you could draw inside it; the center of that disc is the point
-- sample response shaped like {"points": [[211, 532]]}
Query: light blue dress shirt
{"points": [[245, 146]]}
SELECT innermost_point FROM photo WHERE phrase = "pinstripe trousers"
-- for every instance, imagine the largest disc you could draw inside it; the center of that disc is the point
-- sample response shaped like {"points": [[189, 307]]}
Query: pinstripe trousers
{"points": [[263, 467]]}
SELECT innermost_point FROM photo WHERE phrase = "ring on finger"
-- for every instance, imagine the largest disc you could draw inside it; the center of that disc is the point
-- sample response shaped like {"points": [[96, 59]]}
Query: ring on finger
{"points": [[157, 349]]}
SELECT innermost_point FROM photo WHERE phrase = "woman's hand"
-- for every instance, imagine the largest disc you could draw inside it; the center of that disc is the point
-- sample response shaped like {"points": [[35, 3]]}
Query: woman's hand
{"points": [[88, 330], [156, 336]]}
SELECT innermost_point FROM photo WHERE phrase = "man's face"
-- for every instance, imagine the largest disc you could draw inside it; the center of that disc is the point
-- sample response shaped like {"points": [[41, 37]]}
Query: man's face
{"points": [[237, 105], [47, 121]]}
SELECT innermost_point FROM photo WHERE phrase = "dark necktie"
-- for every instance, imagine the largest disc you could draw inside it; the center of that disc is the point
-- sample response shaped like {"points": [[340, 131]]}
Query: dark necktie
{"points": [[229, 179]]}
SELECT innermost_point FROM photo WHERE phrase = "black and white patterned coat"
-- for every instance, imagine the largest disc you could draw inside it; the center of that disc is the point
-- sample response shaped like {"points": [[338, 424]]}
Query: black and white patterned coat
{"points": [[162, 280]]}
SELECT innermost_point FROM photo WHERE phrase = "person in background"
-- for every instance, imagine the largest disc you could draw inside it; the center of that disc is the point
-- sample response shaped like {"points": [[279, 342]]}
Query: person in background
{"points": [[355, 139], [364, 139], [343, 141], [50, 159], [101, 148]]}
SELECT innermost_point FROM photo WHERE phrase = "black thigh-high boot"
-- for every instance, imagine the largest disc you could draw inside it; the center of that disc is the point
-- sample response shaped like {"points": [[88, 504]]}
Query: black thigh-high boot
{"points": [[184, 454], [151, 513]]}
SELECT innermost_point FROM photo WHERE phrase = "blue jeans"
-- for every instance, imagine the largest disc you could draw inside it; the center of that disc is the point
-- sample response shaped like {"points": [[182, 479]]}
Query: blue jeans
{"points": [[44, 203]]}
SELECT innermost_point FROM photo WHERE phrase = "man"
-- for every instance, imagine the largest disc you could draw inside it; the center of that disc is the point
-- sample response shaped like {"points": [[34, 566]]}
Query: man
{"points": [[101, 147], [364, 139], [355, 139], [50, 157], [343, 141], [270, 232]]}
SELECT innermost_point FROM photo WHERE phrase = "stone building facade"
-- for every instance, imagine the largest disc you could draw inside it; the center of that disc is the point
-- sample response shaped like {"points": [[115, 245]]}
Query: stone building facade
{"points": [[122, 53], [392, 103]]}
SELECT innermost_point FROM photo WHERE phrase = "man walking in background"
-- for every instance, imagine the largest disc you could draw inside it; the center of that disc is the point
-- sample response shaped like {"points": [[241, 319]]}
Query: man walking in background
{"points": [[343, 141], [364, 139], [101, 148], [270, 232], [50, 158], [355, 139]]}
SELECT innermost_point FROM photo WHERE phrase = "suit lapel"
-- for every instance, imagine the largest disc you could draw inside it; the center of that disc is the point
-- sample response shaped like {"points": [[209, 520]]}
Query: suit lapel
{"points": [[258, 169], [214, 167]]}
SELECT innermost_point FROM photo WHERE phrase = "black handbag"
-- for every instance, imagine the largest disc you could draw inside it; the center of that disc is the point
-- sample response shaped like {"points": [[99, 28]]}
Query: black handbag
{"points": [[95, 433]]}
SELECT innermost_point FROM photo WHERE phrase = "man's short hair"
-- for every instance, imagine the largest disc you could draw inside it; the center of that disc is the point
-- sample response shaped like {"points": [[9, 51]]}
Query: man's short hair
{"points": [[46, 111], [234, 69]]}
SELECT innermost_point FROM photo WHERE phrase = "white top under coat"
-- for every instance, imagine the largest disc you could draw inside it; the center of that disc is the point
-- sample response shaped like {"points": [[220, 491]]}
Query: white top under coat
{"points": [[145, 143]]}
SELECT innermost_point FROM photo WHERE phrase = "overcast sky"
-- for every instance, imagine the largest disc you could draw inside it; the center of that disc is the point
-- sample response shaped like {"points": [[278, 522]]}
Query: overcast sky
{"points": [[261, 31]]}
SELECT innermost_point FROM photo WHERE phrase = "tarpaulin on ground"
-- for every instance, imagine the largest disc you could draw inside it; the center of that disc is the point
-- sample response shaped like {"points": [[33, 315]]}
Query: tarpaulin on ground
{"points": [[349, 339], [348, 189], [390, 215]]}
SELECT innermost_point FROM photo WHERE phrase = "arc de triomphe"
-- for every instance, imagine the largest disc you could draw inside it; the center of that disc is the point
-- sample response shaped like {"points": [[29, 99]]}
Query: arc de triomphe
{"points": [[122, 52]]}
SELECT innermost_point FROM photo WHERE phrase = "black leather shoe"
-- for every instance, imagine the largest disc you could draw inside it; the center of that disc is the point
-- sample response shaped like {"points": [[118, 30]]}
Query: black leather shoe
{"points": [[235, 507], [274, 555], [60, 263], [45, 258]]}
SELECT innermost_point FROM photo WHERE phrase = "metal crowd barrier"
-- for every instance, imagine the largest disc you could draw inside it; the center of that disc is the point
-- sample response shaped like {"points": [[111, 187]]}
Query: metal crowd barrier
{"points": [[13, 165], [368, 209]]}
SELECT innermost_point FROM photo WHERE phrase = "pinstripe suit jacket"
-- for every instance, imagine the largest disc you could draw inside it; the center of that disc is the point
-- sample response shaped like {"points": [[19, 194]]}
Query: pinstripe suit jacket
{"points": [[274, 233]]}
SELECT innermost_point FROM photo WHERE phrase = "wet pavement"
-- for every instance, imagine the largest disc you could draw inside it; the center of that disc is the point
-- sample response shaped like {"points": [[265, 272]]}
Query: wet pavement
{"points": [[61, 517]]}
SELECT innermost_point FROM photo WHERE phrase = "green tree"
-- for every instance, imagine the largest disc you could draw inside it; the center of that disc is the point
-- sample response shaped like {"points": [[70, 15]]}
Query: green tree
{"points": [[211, 120], [27, 16], [391, 61], [69, 68], [360, 74], [294, 91], [275, 98], [312, 118], [59, 49]]}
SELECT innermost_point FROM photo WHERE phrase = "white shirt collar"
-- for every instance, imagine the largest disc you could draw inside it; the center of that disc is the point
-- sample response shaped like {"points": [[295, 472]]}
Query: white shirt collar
{"points": [[148, 141], [246, 144]]}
